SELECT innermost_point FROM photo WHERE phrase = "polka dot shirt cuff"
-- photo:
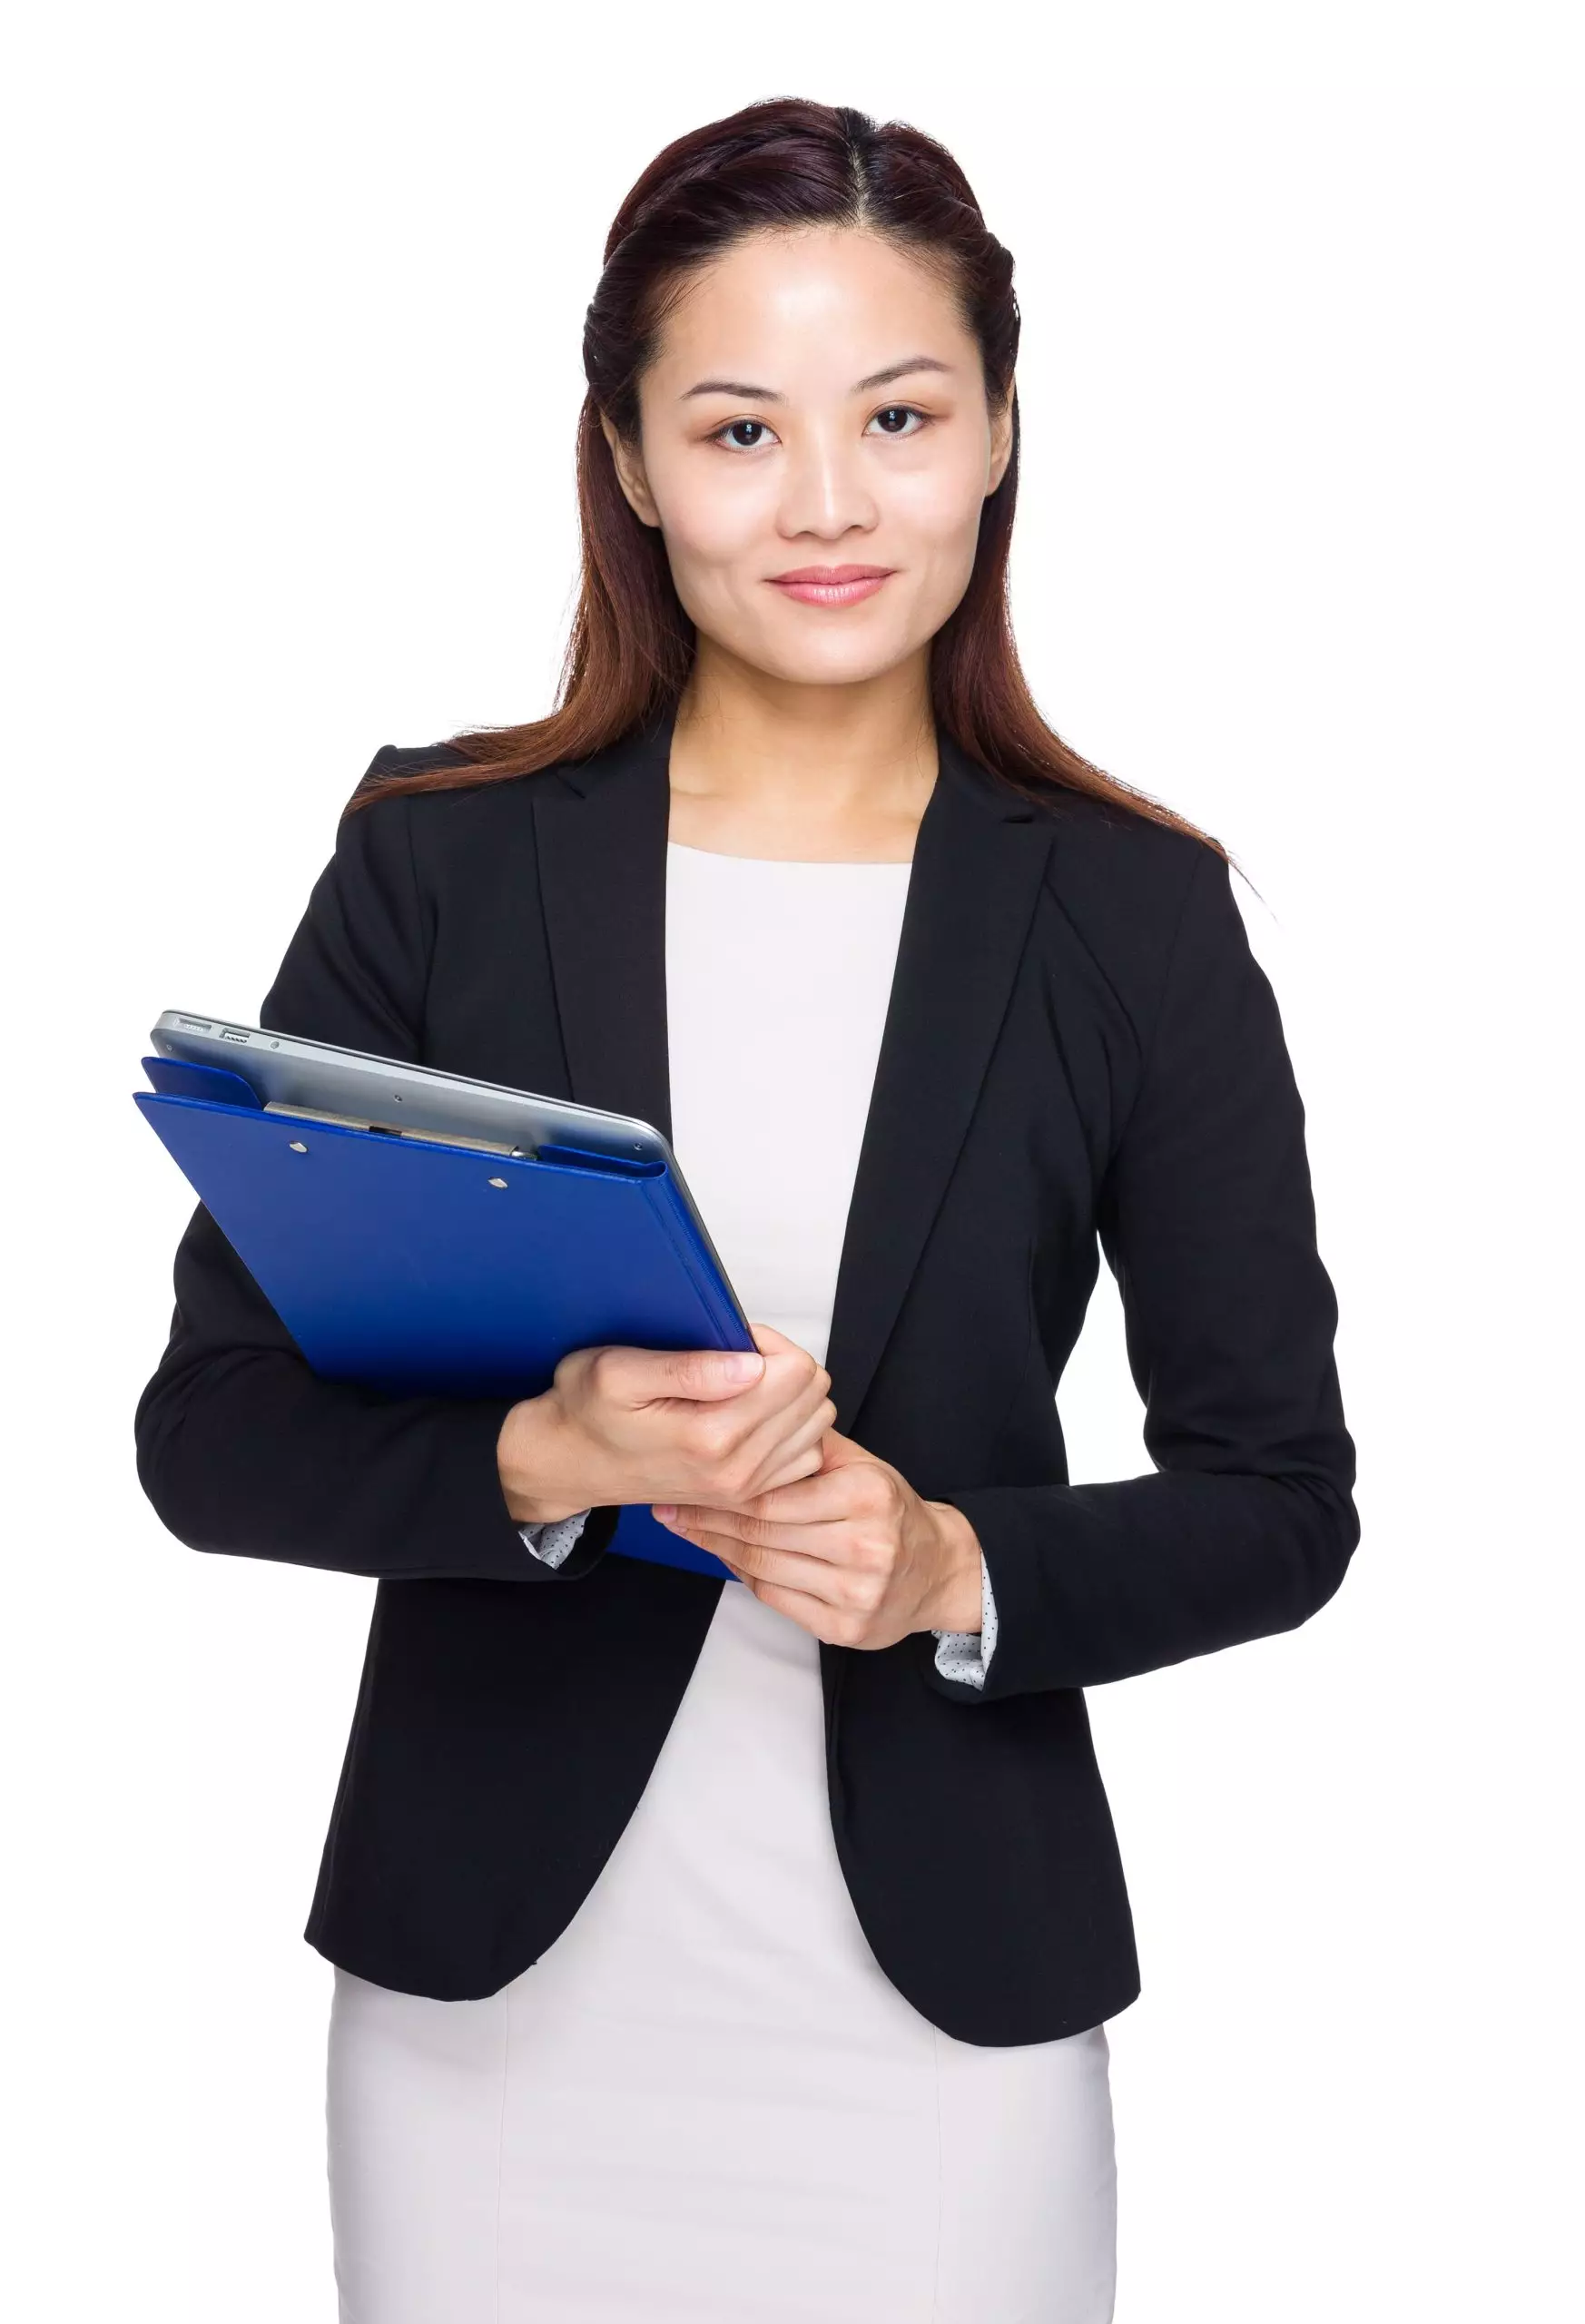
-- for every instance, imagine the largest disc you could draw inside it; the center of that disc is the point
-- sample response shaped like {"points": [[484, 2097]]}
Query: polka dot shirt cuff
{"points": [[965, 1654], [553, 1540]]}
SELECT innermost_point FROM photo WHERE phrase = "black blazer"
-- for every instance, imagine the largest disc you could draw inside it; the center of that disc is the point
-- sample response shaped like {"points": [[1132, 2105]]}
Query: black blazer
{"points": [[1080, 1052]]}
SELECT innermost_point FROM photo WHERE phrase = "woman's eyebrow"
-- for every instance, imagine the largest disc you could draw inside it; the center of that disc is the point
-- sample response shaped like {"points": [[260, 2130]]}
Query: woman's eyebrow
{"points": [[772, 395]]}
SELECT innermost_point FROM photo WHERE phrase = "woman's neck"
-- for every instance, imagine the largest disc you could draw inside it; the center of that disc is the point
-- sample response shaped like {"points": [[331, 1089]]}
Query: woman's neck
{"points": [[839, 774]]}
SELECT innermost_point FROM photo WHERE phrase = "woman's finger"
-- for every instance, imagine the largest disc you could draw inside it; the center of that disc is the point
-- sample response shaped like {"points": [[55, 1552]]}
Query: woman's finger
{"points": [[818, 1616], [746, 1530], [818, 1499], [792, 1463], [792, 1569]]}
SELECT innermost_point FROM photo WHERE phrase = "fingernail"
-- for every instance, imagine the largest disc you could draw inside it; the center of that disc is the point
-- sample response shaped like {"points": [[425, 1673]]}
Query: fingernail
{"points": [[742, 1367], [664, 1509]]}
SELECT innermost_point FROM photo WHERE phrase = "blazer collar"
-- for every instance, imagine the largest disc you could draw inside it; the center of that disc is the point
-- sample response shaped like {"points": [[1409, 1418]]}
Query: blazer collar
{"points": [[980, 855]]}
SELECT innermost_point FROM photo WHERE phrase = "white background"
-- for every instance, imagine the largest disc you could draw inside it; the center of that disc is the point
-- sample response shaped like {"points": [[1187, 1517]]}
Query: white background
{"points": [[300, 293]]}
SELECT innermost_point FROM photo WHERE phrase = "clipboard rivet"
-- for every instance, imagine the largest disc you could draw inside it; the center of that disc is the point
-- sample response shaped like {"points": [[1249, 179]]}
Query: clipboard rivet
{"points": [[296, 1146], [498, 1182]]}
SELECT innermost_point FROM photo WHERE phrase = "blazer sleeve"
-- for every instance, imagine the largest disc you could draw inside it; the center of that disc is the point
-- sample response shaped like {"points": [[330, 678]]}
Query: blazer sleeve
{"points": [[240, 1447], [1206, 1219]]}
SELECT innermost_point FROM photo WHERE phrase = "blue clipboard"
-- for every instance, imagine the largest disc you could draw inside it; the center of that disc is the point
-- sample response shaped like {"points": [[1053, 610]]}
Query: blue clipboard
{"points": [[416, 1266]]}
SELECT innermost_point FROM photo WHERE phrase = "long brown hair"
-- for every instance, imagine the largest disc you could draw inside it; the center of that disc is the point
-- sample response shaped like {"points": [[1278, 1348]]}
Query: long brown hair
{"points": [[781, 162]]}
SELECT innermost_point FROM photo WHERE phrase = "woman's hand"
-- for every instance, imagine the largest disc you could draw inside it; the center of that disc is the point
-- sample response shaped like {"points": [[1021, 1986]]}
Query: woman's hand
{"points": [[622, 1424], [851, 1554]]}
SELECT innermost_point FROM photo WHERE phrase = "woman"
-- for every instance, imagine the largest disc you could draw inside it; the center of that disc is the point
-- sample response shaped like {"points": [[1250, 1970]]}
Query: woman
{"points": [[705, 1951]]}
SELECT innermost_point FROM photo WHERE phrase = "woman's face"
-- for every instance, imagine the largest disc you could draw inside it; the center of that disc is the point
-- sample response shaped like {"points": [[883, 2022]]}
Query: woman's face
{"points": [[816, 405]]}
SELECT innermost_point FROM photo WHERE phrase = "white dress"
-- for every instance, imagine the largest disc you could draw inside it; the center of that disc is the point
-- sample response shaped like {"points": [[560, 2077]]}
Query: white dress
{"points": [[705, 2102]]}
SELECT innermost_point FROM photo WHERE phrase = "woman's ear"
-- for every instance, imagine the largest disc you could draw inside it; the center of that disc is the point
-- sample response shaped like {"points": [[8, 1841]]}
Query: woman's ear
{"points": [[1001, 442], [630, 475]]}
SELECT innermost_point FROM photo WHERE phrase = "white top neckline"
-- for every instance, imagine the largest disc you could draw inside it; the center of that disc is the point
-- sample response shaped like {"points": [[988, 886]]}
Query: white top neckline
{"points": [[799, 862]]}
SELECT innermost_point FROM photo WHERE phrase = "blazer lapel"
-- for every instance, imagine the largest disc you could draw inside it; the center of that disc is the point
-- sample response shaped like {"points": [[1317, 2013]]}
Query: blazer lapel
{"points": [[979, 858], [978, 861], [602, 839]]}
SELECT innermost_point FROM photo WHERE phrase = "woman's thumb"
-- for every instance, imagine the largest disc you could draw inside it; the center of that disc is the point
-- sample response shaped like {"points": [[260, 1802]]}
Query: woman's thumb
{"points": [[704, 1372]]}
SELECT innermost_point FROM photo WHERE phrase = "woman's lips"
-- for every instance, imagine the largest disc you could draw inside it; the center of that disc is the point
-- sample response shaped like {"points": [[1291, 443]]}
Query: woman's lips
{"points": [[832, 584]]}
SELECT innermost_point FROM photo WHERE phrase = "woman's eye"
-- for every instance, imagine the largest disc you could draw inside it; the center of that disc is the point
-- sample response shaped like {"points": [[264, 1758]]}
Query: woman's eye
{"points": [[732, 439], [900, 411]]}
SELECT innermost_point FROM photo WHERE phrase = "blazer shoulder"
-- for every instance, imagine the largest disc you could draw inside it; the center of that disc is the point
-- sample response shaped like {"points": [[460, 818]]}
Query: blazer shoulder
{"points": [[1124, 832], [1119, 884], [1134, 869], [463, 814], [378, 796]]}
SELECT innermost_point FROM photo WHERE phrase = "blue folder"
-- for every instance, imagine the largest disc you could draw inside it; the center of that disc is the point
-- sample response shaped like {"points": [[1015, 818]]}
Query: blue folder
{"points": [[416, 1266]]}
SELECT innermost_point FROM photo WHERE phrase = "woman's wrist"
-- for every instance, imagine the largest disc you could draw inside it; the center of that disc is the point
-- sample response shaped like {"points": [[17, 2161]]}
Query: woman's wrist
{"points": [[535, 1454], [959, 1603]]}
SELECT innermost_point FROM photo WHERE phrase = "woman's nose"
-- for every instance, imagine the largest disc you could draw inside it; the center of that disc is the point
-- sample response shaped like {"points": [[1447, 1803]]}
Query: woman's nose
{"points": [[825, 489]]}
